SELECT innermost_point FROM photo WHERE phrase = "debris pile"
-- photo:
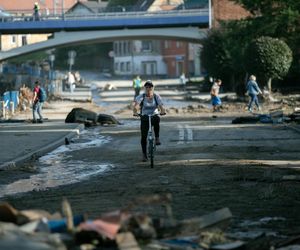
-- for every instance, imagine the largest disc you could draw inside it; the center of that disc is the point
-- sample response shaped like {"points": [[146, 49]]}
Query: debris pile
{"points": [[275, 116], [137, 226], [25, 98], [90, 118]]}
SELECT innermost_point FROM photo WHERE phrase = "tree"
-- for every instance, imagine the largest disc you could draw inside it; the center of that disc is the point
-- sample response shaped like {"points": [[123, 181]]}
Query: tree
{"points": [[89, 56], [276, 18], [269, 57], [215, 56], [223, 54]]}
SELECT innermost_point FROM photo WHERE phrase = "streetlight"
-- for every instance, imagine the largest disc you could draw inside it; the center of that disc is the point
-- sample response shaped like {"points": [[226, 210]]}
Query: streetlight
{"points": [[210, 13], [52, 86], [71, 60]]}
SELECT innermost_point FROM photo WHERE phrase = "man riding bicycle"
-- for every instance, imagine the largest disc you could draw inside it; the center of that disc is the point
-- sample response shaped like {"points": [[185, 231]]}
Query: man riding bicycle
{"points": [[148, 103]]}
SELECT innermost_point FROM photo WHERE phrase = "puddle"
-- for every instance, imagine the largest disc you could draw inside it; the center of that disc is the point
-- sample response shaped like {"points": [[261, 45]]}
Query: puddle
{"points": [[262, 221], [57, 167]]}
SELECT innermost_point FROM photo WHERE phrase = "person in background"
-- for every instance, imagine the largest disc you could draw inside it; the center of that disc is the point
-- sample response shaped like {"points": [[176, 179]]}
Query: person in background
{"points": [[36, 10], [214, 92], [183, 81], [137, 84], [37, 105], [253, 90], [71, 81]]}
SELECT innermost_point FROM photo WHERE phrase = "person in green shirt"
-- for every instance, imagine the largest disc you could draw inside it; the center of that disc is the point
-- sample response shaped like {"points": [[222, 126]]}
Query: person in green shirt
{"points": [[137, 84]]}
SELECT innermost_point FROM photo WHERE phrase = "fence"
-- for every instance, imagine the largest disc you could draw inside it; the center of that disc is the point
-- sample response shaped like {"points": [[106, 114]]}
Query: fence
{"points": [[9, 103]]}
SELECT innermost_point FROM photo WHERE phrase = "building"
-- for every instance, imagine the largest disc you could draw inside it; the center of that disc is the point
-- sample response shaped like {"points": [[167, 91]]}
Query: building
{"points": [[164, 58], [136, 57], [25, 8], [226, 10], [87, 7]]}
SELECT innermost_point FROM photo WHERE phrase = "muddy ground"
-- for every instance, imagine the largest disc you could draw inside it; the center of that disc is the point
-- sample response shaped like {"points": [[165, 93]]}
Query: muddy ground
{"points": [[224, 165]]}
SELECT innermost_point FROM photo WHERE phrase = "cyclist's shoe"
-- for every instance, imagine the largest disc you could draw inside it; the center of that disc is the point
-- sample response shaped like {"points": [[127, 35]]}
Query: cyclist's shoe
{"points": [[145, 158], [157, 141]]}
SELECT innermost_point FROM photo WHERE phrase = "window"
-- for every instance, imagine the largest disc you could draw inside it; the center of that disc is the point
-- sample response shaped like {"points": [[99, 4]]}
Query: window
{"points": [[13, 39], [149, 68], [24, 40], [116, 66], [166, 44], [128, 66], [122, 67], [116, 48], [146, 46]]}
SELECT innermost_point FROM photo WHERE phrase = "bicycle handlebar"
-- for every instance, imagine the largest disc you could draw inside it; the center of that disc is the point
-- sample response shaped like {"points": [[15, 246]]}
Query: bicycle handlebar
{"points": [[140, 115]]}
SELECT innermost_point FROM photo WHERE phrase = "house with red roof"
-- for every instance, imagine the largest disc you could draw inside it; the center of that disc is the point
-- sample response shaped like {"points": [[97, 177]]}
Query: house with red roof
{"points": [[25, 7]]}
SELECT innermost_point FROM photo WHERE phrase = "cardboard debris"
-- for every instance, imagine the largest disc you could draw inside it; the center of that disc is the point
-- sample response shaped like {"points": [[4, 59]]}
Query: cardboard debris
{"points": [[219, 219], [10, 214], [127, 241], [12, 237], [130, 228], [107, 229]]}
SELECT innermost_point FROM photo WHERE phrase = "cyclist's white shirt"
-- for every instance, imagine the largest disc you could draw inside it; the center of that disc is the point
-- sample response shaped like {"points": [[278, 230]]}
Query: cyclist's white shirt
{"points": [[149, 107]]}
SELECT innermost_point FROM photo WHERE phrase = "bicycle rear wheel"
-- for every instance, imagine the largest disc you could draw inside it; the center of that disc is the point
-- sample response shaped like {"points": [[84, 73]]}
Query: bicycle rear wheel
{"points": [[151, 152]]}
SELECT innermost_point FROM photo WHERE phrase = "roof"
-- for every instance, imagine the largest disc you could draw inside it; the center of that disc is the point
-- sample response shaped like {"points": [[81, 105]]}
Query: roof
{"points": [[26, 5], [92, 6], [143, 5]]}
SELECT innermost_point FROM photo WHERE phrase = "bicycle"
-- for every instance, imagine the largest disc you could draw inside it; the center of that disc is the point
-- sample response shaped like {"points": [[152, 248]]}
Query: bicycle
{"points": [[151, 141]]}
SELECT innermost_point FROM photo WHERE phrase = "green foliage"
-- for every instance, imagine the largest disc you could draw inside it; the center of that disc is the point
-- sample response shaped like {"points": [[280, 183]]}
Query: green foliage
{"points": [[269, 57], [215, 55], [270, 18], [89, 54], [276, 18], [268, 7], [36, 56], [223, 53]]}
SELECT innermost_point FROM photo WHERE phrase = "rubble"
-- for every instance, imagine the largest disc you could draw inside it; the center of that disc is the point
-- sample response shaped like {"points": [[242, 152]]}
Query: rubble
{"points": [[274, 116], [90, 118], [130, 228]]}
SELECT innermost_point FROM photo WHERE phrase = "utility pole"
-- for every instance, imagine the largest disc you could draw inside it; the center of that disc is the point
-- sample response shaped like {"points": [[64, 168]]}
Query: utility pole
{"points": [[210, 13], [63, 9], [54, 7]]}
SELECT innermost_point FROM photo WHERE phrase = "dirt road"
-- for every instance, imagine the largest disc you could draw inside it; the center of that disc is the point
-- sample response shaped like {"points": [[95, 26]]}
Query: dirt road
{"points": [[206, 163]]}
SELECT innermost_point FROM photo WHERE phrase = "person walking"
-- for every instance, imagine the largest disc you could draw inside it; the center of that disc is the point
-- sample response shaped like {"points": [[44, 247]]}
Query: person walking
{"points": [[183, 81], [36, 10], [214, 92], [37, 103], [137, 84], [148, 103], [71, 81], [253, 90]]}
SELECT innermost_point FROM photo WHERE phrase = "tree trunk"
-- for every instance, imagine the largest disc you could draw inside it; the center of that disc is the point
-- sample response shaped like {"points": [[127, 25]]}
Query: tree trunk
{"points": [[270, 85]]}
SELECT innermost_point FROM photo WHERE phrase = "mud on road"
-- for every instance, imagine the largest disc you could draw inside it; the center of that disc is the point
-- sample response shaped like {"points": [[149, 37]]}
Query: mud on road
{"points": [[205, 163]]}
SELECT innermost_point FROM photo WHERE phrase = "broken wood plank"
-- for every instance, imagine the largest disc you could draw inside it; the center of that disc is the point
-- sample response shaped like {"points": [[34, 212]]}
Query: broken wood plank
{"points": [[219, 218], [127, 241]]}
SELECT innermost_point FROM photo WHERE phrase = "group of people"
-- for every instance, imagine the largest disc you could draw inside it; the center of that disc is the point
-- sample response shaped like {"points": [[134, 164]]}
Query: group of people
{"points": [[252, 88], [151, 103]]}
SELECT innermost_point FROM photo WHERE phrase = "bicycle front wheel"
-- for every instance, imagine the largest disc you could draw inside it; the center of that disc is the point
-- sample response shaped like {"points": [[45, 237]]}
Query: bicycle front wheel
{"points": [[151, 152]]}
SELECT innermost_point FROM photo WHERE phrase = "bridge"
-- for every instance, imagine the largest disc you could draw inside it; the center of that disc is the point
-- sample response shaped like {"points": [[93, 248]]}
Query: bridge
{"points": [[189, 25]]}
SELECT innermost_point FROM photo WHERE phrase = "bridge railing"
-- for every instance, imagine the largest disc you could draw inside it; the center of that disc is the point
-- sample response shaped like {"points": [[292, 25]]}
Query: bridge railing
{"points": [[28, 16], [120, 15]]}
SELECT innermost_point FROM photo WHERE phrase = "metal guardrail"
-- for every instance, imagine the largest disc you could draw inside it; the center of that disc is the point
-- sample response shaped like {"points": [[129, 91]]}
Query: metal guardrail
{"points": [[104, 15]]}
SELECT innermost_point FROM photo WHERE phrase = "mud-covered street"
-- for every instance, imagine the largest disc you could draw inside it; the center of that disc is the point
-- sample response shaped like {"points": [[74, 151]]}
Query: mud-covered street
{"points": [[205, 162]]}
